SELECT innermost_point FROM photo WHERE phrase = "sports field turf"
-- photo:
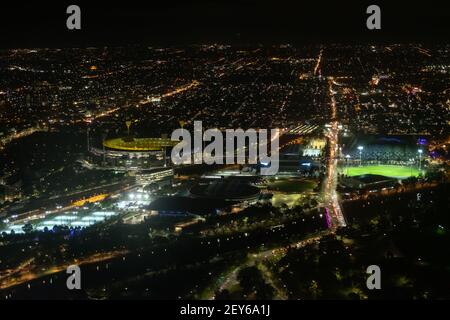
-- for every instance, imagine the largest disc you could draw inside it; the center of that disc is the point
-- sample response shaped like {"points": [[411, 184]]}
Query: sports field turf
{"points": [[384, 170]]}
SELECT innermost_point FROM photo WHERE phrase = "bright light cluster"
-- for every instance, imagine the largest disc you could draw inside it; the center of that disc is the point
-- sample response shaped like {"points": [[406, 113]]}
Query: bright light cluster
{"points": [[73, 219]]}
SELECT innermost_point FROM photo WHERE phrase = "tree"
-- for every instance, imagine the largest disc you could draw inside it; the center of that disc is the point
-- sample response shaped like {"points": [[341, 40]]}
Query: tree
{"points": [[264, 292], [223, 295], [27, 228], [314, 289], [247, 278]]}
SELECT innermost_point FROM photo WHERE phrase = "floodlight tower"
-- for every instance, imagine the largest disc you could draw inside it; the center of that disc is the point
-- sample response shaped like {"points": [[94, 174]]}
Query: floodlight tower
{"points": [[360, 148], [420, 151]]}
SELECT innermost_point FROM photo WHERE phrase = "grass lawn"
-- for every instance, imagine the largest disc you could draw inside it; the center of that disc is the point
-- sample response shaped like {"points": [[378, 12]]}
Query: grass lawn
{"points": [[384, 170]]}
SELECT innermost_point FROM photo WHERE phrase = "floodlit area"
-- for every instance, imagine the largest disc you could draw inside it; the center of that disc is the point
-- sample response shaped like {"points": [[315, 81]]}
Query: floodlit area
{"points": [[70, 219], [134, 200], [290, 200], [383, 170], [131, 201]]}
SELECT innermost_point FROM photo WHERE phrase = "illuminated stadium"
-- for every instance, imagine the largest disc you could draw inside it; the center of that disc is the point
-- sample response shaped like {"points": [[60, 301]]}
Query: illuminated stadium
{"points": [[130, 153], [381, 161], [375, 176], [390, 156], [374, 149], [138, 144]]}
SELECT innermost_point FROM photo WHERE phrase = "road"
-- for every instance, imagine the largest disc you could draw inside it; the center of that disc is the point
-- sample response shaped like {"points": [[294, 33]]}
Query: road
{"points": [[256, 259], [21, 134], [319, 59], [29, 271], [330, 197]]}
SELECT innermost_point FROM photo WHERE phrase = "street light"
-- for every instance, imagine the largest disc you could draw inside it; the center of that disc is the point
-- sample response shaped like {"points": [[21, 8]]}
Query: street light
{"points": [[360, 148], [420, 151]]}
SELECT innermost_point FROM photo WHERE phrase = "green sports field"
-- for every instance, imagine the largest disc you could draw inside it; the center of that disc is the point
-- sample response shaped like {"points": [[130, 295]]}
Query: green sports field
{"points": [[383, 170]]}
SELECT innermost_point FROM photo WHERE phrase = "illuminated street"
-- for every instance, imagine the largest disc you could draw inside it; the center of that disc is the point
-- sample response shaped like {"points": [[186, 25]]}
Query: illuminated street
{"points": [[331, 199]]}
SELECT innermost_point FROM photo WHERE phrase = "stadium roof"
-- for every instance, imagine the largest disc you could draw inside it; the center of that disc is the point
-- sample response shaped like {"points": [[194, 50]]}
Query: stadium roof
{"points": [[138, 144]]}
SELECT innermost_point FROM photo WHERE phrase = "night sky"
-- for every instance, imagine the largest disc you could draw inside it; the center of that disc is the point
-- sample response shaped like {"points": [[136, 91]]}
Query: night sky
{"points": [[43, 23]]}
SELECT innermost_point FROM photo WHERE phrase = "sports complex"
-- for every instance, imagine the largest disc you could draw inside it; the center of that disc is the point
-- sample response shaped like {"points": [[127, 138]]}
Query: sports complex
{"points": [[372, 162], [130, 153]]}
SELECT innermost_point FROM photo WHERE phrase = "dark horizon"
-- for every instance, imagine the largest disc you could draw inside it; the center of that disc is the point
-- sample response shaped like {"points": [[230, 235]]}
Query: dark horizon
{"points": [[228, 22]]}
